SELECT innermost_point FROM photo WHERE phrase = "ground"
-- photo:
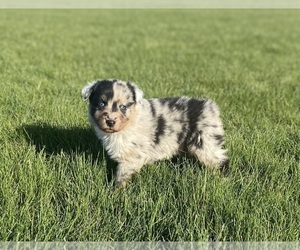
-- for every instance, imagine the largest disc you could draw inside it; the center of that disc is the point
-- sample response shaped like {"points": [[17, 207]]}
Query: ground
{"points": [[55, 177]]}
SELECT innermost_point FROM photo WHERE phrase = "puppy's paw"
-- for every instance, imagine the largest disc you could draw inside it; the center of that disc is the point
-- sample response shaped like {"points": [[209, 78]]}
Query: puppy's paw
{"points": [[121, 184]]}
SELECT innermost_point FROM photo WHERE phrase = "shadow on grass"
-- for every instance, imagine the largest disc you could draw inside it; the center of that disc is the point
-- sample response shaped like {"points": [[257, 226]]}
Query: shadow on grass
{"points": [[72, 141], [54, 140]]}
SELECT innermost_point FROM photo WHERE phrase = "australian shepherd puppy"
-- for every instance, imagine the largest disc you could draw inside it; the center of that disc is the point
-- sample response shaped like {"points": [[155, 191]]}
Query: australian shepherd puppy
{"points": [[136, 131]]}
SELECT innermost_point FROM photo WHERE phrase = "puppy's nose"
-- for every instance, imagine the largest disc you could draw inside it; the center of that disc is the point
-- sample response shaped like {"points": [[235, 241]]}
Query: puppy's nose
{"points": [[110, 123]]}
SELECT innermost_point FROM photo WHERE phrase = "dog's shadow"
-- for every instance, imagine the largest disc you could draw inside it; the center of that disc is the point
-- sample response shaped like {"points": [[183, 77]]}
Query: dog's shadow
{"points": [[53, 140]]}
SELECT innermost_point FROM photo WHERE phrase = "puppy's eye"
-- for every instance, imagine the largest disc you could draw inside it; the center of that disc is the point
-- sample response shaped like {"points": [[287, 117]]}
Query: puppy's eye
{"points": [[101, 105], [123, 107]]}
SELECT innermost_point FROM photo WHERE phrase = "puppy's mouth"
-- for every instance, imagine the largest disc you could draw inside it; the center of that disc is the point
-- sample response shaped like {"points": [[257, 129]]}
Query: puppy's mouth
{"points": [[109, 130], [108, 127], [110, 124]]}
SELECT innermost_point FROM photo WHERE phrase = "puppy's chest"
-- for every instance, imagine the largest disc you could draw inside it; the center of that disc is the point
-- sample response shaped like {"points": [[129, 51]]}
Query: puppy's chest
{"points": [[120, 148]]}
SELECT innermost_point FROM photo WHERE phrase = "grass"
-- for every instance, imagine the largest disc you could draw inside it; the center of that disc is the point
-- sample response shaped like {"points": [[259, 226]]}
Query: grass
{"points": [[55, 177]]}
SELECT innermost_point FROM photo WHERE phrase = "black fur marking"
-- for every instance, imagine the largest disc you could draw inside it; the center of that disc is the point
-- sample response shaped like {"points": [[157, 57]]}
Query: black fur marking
{"points": [[129, 104], [114, 107], [93, 110], [153, 111], [194, 111], [131, 88], [194, 140], [172, 103], [164, 101], [181, 137], [102, 88], [160, 129], [219, 139]]}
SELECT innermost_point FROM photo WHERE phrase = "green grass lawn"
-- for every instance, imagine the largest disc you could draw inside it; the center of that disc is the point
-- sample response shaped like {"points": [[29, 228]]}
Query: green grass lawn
{"points": [[55, 179]]}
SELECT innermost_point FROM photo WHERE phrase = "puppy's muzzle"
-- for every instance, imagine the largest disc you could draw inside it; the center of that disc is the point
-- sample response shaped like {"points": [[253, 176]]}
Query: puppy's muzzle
{"points": [[110, 123]]}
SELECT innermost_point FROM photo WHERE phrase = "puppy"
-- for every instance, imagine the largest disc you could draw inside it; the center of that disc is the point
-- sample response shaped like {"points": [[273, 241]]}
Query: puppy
{"points": [[136, 131]]}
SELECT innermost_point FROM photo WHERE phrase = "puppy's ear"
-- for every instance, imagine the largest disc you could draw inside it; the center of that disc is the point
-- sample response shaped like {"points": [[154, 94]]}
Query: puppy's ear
{"points": [[136, 92], [139, 94], [87, 90]]}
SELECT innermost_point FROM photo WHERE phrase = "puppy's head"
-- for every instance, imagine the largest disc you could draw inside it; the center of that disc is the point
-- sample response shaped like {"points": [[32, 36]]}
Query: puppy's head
{"points": [[112, 103]]}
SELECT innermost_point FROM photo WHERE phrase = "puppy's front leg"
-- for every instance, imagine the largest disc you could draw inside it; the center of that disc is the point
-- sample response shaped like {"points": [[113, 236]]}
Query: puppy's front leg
{"points": [[125, 172]]}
